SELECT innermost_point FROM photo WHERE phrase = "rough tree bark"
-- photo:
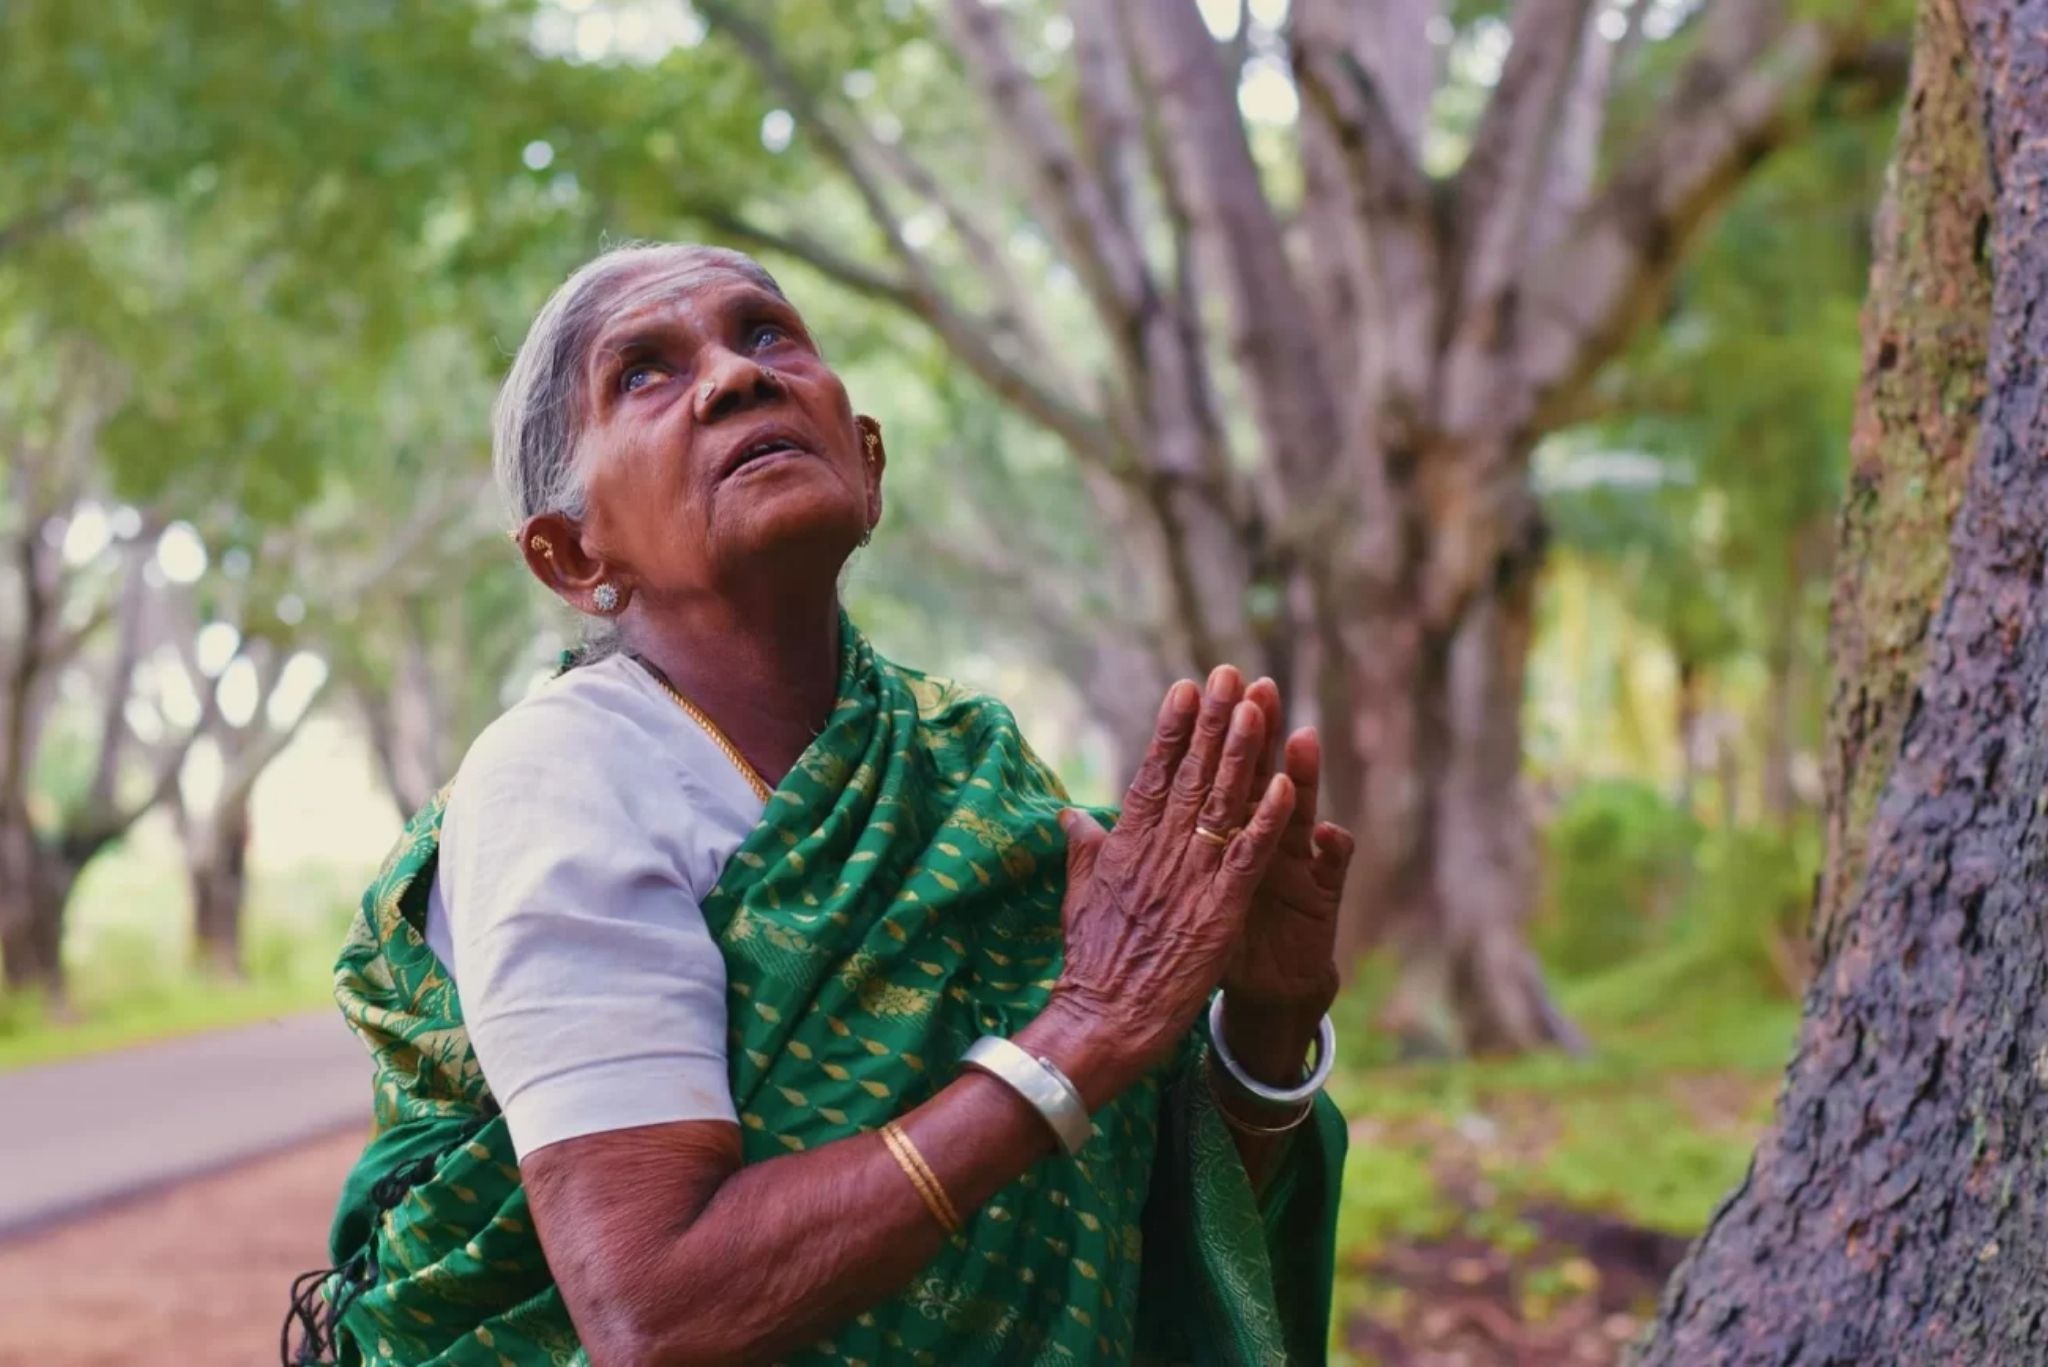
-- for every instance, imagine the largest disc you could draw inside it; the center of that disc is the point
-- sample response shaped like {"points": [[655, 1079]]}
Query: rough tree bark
{"points": [[1349, 507], [1925, 333], [1897, 1211]]}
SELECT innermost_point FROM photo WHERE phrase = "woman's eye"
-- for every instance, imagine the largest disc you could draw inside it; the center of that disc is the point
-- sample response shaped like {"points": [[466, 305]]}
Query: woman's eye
{"points": [[638, 377], [766, 336]]}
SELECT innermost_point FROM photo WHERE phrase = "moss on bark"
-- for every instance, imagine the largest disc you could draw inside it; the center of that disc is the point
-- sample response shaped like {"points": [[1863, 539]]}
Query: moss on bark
{"points": [[1924, 343]]}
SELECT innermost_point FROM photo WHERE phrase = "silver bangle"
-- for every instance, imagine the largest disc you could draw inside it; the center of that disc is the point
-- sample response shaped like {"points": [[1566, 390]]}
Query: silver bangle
{"points": [[1326, 1060], [1040, 1082]]}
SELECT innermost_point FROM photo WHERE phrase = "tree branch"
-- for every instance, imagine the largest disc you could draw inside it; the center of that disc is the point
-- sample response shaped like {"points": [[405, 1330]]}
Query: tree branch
{"points": [[1498, 188], [1586, 294], [132, 599], [1388, 43], [920, 289], [1111, 122], [828, 261], [1073, 202], [1208, 157], [972, 341], [1017, 312], [1568, 179], [1375, 219]]}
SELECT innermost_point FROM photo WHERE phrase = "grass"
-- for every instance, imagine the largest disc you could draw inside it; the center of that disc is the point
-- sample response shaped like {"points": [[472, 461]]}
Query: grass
{"points": [[1649, 1128], [28, 1036]]}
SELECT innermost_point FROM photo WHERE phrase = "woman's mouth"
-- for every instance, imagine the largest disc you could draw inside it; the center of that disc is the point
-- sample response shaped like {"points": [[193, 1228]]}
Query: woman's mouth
{"points": [[766, 451]]}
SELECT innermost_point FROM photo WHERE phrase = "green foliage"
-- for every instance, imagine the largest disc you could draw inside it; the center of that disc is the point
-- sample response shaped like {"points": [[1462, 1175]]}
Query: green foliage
{"points": [[1651, 1126], [1391, 1195], [1641, 897], [1673, 944], [1739, 929], [1709, 496], [1616, 858]]}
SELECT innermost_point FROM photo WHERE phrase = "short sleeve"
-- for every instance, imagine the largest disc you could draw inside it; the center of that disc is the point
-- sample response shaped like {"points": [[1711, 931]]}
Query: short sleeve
{"points": [[593, 991]]}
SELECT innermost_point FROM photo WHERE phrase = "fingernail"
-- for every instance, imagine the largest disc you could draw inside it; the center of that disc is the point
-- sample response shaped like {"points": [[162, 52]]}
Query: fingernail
{"points": [[1183, 696], [1217, 676], [1243, 717]]}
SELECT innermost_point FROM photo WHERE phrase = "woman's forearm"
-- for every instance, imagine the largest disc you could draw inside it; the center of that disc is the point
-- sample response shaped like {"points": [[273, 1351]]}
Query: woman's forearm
{"points": [[780, 1252]]}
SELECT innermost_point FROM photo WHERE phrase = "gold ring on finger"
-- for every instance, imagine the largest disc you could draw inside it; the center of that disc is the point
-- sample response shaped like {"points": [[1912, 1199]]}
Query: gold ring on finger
{"points": [[1214, 837]]}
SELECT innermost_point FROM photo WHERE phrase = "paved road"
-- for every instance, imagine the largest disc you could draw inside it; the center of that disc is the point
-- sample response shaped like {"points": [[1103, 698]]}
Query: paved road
{"points": [[77, 1134]]}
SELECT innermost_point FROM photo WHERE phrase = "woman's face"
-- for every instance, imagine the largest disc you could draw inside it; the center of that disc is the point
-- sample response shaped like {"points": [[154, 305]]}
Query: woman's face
{"points": [[719, 450]]}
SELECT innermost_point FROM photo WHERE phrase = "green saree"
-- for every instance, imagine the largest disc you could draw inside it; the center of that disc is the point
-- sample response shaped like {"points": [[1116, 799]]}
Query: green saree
{"points": [[900, 897]]}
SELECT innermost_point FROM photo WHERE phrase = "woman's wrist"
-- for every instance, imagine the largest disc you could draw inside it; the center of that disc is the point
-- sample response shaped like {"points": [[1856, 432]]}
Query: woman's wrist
{"points": [[1270, 1040], [1084, 1044]]}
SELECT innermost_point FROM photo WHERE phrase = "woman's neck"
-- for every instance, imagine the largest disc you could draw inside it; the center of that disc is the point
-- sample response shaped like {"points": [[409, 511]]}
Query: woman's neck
{"points": [[766, 677]]}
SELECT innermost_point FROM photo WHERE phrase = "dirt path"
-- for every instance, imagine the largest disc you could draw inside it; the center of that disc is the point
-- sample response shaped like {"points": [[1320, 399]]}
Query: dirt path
{"points": [[196, 1274]]}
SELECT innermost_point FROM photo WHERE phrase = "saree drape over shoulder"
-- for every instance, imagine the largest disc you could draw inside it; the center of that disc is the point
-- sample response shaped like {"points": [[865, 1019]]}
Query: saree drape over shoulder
{"points": [[900, 898]]}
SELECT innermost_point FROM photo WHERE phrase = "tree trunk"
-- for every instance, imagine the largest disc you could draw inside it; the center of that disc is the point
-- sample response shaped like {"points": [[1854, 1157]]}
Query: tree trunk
{"points": [[1898, 1207], [1450, 869], [406, 720], [1924, 343], [32, 923], [1691, 683], [218, 860], [1395, 351]]}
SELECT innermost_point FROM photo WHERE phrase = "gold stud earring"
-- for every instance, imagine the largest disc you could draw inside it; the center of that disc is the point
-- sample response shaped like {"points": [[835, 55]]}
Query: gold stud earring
{"points": [[544, 546]]}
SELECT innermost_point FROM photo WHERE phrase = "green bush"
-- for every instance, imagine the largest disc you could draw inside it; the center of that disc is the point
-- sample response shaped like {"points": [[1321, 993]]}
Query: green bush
{"points": [[1616, 862]]}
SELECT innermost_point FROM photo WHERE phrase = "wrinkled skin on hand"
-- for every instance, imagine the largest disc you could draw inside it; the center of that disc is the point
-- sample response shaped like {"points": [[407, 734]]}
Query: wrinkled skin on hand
{"points": [[1155, 910], [1286, 957]]}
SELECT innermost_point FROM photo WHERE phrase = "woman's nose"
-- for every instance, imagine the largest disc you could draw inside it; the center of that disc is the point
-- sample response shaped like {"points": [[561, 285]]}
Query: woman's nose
{"points": [[730, 382]]}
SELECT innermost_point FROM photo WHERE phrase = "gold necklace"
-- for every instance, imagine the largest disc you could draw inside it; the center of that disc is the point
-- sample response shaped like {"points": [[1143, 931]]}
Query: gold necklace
{"points": [[718, 737]]}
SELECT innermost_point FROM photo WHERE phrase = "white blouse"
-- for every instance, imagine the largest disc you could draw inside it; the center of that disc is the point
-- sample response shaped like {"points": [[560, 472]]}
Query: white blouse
{"points": [[586, 826]]}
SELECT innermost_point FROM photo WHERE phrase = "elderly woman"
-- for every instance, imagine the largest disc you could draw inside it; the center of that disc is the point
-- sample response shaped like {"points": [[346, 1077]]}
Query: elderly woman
{"points": [[751, 997]]}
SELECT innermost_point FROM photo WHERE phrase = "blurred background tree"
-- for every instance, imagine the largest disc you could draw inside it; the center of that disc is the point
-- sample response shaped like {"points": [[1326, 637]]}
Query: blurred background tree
{"points": [[1299, 289], [1294, 335]]}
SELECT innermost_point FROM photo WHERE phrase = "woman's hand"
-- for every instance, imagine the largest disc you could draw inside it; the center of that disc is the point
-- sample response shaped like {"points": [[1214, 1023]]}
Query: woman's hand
{"points": [[1286, 958], [1283, 975], [1154, 910]]}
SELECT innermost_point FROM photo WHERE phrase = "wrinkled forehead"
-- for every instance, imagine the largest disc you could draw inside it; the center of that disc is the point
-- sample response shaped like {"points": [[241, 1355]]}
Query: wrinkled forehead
{"points": [[651, 286]]}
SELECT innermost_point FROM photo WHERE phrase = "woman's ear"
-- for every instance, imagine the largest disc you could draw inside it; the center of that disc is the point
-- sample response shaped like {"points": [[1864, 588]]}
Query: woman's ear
{"points": [[552, 544], [874, 459]]}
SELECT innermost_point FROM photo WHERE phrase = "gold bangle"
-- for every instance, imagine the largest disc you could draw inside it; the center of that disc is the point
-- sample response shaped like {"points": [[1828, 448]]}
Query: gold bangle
{"points": [[921, 1177], [1246, 1127]]}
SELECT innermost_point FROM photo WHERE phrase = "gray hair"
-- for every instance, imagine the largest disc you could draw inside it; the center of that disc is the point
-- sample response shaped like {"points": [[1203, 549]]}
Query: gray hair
{"points": [[537, 425]]}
